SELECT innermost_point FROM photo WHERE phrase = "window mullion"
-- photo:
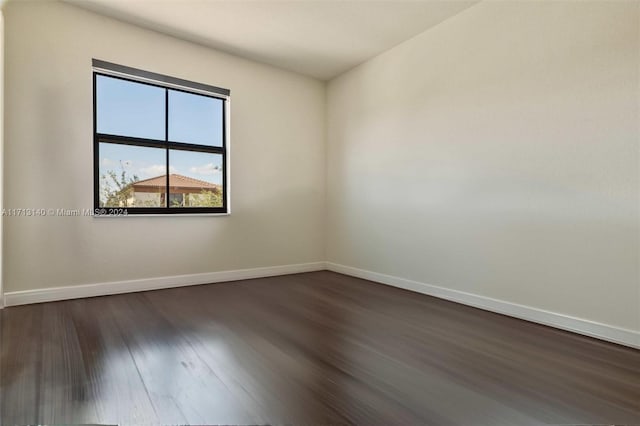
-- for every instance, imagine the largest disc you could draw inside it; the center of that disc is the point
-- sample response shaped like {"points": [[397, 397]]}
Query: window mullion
{"points": [[197, 148], [127, 140], [166, 139]]}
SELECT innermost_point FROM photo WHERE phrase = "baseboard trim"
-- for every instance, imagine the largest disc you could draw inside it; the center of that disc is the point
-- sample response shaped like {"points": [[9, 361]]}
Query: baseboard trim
{"points": [[103, 289], [564, 322]]}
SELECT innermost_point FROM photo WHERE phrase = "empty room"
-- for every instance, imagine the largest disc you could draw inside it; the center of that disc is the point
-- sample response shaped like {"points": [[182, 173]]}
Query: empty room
{"points": [[226, 212]]}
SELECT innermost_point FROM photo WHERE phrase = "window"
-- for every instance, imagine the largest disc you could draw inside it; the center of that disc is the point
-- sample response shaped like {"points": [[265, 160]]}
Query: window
{"points": [[160, 143]]}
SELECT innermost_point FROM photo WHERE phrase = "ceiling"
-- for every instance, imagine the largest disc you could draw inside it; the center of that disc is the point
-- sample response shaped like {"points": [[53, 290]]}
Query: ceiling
{"points": [[321, 39]]}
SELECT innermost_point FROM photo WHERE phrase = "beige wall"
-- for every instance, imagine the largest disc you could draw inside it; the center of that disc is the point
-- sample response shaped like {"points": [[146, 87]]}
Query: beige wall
{"points": [[277, 158], [1, 143], [497, 154]]}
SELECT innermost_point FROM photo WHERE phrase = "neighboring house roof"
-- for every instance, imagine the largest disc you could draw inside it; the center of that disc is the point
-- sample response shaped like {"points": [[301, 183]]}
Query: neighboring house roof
{"points": [[177, 184]]}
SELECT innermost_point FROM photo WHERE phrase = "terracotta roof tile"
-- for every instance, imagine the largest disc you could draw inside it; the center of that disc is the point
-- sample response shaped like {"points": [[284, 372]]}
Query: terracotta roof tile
{"points": [[175, 181]]}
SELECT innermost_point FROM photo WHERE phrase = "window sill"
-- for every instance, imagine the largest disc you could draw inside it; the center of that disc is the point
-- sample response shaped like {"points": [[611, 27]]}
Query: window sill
{"points": [[111, 216]]}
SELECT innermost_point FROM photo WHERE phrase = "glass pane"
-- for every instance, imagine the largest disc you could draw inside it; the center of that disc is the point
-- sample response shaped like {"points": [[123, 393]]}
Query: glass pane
{"points": [[126, 108], [195, 119], [195, 180], [132, 176]]}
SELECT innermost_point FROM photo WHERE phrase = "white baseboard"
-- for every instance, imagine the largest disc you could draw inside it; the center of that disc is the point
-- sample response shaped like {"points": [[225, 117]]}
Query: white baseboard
{"points": [[565, 322], [102, 289]]}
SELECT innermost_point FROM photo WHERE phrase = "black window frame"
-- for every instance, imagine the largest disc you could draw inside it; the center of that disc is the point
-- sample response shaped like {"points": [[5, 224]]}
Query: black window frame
{"points": [[102, 68]]}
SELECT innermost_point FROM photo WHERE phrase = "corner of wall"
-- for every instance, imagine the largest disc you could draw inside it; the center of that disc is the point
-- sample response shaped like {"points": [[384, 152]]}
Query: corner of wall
{"points": [[638, 142], [1, 144], [325, 139]]}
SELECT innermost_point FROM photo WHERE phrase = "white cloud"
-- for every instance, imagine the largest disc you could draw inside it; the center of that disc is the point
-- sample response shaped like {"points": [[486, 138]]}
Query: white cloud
{"points": [[108, 163], [155, 170], [206, 169]]}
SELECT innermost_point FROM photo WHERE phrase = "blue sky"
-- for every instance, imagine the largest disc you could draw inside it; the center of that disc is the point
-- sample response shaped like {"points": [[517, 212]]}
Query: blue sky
{"points": [[132, 109]]}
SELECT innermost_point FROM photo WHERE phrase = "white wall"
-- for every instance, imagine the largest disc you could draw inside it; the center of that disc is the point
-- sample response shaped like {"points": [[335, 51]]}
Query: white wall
{"points": [[277, 158], [1, 144], [497, 154]]}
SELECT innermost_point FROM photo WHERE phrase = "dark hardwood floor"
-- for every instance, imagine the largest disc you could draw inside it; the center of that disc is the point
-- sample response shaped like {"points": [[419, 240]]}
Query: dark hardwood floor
{"points": [[306, 349]]}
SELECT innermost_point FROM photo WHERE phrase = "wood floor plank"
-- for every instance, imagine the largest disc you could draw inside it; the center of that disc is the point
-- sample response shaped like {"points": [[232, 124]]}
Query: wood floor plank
{"points": [[182, 387], [20, 365], [235, 347], [315, 348], [119, 394]]}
